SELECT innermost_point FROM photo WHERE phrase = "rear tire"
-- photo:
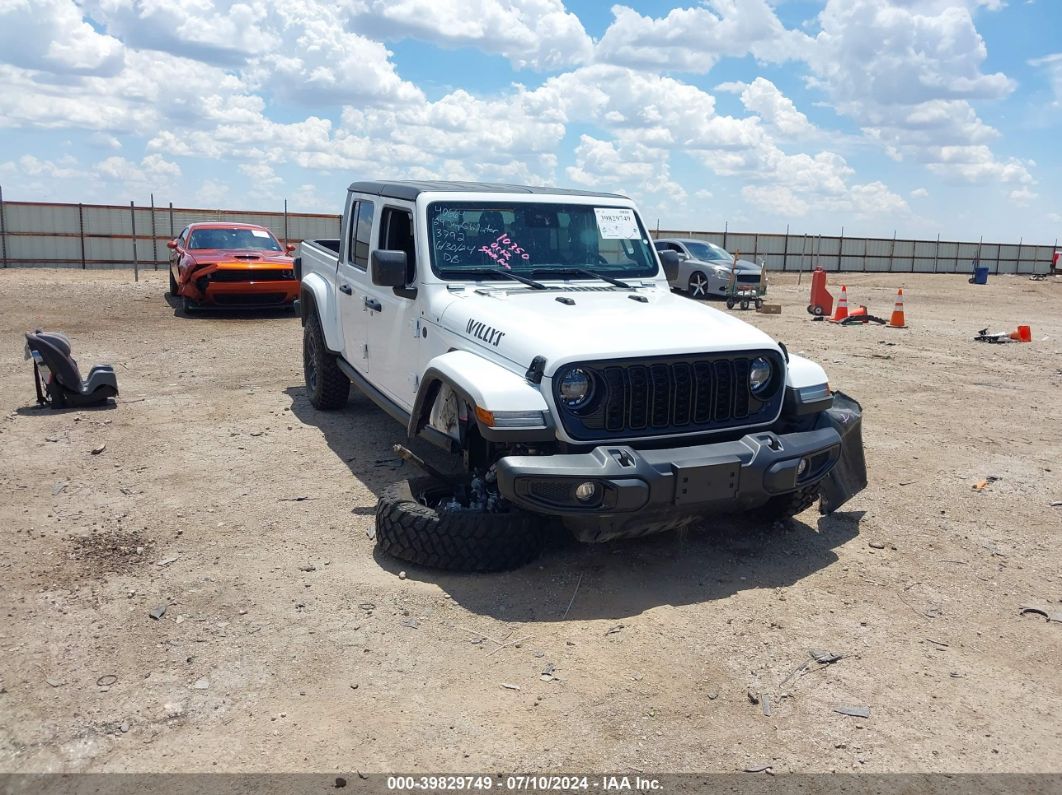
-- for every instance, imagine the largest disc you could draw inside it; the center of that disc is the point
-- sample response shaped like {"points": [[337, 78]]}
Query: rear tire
{"points": [[173, 285], [470, 541], [188, 306], [326, 385], [785, 506]]}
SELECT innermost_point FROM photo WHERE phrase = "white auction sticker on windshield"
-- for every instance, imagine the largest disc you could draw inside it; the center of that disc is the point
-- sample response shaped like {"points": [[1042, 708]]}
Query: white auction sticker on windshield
{"points": [[259, 233], [617, 224]]}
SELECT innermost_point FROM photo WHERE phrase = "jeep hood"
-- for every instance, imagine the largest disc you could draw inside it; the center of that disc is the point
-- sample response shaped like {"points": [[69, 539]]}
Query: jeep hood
{"points": [[521, 324]]}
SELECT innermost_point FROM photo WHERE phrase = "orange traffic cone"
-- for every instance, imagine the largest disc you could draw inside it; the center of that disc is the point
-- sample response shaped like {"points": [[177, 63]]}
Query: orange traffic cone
{"points": [[1023, 334], [897, 320], [842, 306]]}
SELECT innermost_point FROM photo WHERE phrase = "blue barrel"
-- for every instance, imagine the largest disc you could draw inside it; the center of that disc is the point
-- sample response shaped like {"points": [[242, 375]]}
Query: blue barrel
{"points": [[980, 275]]}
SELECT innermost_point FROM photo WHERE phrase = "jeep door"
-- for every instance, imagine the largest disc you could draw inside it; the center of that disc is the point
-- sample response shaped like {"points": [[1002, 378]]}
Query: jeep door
{"points": [[352, 282], [395, 333]]}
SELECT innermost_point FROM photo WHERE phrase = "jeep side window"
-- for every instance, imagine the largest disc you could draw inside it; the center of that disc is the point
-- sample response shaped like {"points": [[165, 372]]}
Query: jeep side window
{"points": [[362, 231], [396, 234]]}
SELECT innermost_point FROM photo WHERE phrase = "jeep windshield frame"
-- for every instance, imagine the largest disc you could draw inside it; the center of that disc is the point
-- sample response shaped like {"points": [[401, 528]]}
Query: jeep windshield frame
{"points": [[488, 239]]}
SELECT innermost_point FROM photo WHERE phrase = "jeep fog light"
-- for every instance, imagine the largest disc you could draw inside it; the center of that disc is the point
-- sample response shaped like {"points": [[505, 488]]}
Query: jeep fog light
{"points": [[586, 492], [802, 467]]}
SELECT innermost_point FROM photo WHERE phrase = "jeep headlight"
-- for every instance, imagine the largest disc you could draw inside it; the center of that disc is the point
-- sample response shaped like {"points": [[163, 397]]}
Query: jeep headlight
{"points": [[576, 388], [760, 372]]}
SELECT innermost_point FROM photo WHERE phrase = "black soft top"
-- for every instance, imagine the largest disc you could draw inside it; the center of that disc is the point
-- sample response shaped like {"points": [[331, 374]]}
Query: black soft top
{"points": [[411, 189]]}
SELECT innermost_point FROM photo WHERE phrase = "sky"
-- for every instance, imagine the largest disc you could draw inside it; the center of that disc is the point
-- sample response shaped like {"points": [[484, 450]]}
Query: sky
{"points": [[878, 117]]}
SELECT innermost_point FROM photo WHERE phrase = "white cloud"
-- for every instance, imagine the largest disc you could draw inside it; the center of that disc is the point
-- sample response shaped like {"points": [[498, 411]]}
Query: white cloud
{"points": [[212, 193], [51, 35], [1052, 65], [215, 31], [1023, 196], [907, 71], [695, 39], [262, 175], [977, 164], [537, 34], [764, 98], [920, 193]]}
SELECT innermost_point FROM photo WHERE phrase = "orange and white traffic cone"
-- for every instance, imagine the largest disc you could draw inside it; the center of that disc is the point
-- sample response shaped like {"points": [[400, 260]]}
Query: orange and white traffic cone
{"points": [[842, 306], [1023, 334], [897, 320]]}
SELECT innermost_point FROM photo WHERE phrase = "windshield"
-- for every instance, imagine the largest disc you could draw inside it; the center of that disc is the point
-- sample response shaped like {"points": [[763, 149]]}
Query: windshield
{"points": [[537, 239], [708, 252], [237, 238]]}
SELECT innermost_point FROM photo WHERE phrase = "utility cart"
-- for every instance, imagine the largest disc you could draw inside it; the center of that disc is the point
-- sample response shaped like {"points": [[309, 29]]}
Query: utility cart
{"points": [[742, 290]]}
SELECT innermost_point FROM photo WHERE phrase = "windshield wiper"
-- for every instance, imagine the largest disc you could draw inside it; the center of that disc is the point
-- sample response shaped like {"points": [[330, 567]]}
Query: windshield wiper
{"points": [[585, 272], [509, 274]]}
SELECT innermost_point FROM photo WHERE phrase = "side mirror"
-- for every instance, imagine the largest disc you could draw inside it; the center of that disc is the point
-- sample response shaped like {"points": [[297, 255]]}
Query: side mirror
{"points": [[670, 262], [172, 245], [289, 247], [682, 255], [388, 268]]}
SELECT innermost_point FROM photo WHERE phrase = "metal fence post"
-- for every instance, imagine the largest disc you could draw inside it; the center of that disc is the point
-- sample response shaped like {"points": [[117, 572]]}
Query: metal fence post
{"points": [[172, 234], [3, 229], [1017, 262], [132, 223], [154, 237], [936, 254], [285, 222], [726, 228], [81, 231], [840, 248], [785, 249], [892, 252]]}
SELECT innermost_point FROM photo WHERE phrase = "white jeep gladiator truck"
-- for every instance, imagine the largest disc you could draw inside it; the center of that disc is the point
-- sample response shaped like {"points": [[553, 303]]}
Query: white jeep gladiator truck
{"points": [[532, 333]]}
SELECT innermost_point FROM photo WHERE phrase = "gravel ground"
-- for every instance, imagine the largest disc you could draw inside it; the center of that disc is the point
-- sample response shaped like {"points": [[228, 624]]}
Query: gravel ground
{"points": [[289, 644]]}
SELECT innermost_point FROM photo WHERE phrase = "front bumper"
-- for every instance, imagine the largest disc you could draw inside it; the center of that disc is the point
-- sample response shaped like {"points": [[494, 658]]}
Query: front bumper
{"points": [[682, 481]]}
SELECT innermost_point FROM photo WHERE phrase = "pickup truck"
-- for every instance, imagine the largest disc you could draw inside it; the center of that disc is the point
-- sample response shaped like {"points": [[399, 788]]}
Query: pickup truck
{"points": [[531, 333]]}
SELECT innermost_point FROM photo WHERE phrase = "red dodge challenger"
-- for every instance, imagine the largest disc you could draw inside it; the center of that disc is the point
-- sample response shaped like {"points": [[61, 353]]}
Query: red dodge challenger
{"points": [[231, 265]]}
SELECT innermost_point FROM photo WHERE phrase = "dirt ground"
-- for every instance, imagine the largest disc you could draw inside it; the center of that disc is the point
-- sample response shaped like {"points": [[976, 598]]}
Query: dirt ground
{"points": [[289, 644]]}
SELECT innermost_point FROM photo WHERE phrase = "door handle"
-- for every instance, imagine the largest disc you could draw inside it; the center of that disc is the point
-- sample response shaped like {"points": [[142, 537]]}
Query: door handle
{"points": [[373, 304], [345, 288]]}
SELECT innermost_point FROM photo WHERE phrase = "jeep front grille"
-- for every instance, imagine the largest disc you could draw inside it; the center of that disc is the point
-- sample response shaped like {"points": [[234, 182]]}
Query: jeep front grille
{"points": [[673, 395]]}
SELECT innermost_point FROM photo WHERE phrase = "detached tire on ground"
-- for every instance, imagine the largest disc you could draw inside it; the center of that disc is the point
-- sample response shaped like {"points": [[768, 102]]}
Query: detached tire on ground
{"points": [[785, 506], [410, 530]]}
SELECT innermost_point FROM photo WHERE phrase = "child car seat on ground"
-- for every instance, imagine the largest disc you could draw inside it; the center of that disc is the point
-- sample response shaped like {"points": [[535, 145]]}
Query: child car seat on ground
{"points": [[57, 378]]}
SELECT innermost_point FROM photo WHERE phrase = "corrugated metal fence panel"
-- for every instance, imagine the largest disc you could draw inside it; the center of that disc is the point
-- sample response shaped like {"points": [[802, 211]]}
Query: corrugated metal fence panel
{"points": [[46, 218], [50, 234], [853, 246], [37, 248], [743, 244], [903, 250], [876, 247], [773, 244]]}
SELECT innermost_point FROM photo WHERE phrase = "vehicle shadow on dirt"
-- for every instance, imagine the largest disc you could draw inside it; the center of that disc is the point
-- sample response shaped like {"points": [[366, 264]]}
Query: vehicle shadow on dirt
{"points": [[712, 560]]}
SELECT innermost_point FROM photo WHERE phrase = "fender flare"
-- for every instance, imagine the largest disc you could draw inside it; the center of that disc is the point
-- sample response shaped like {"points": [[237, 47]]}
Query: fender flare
{"points": [[481, 383], [317, 296]]}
